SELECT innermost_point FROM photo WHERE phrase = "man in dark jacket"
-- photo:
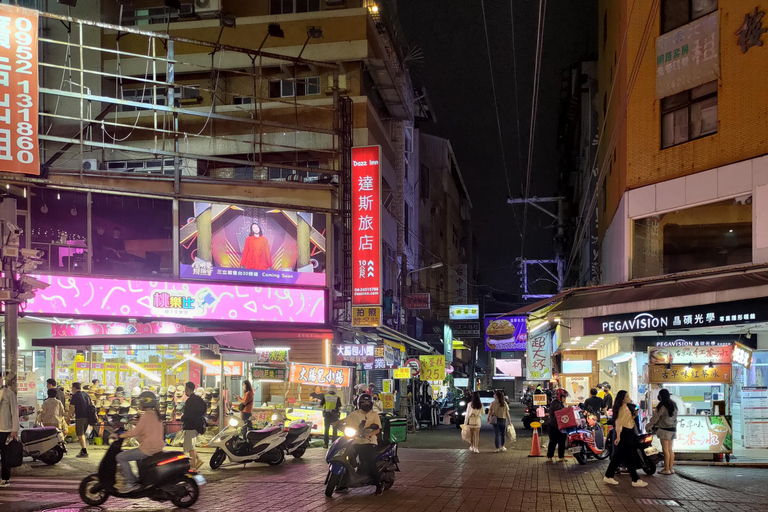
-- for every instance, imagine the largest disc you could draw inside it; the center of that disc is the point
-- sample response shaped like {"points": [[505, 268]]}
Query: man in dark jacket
{"points": [[193, 423], [556, 438], [608, 399], [80, 402], [51, 384], [594, 403]]}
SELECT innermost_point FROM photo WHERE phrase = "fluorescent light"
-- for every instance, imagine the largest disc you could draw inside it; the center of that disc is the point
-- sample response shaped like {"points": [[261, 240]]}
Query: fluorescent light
{"points": [[542, 324], [144, 372], [273, 348], [268, 380], [577, 338], [327, 352], [599, 337], [199, 361], [183, 361], [574, 342]]}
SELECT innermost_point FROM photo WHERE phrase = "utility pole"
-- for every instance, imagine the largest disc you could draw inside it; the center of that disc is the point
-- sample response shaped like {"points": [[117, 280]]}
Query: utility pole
{"points": [[558, 272]]}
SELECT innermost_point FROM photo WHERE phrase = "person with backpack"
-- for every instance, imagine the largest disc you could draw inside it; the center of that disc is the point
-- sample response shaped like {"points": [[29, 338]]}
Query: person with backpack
{"points": [[9, 426], [52, 412], [79, 405], [193, 423]]}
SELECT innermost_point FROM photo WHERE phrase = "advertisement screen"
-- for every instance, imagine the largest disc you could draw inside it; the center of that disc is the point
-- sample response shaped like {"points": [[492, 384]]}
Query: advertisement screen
{"points": [[505, 333], [584, 366], [461, 382], [507, 368], [224, 242]]}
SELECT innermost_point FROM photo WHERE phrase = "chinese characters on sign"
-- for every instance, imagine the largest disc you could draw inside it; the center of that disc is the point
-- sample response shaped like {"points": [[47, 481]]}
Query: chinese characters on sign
{"points": [[751, 31], [538, 355], [319, 375], [704, 434], [402, 373], [366, 316], [685, 355], [742, 355], [231, 368], [704, 373], [457, 277], [272, 356], [18, 90], [432, 368], [417, 301], [464, 312], [688, 56], [366, 226], [355, 353], [268, 373]]}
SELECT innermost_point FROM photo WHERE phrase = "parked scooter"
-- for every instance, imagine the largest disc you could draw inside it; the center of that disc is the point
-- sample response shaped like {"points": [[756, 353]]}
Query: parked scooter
{"points": [[165, 477], [648, 455], [342, 462], [45, 444], [238, 444], [531, 415], [587, 440]]}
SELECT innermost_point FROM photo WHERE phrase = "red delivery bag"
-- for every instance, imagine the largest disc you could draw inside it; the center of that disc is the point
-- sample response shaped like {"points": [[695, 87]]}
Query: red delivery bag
{"points": [[566, 418]]}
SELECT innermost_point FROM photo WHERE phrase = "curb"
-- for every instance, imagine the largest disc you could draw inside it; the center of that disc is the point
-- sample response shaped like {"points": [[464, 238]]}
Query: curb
{"points": [[692, 463]]}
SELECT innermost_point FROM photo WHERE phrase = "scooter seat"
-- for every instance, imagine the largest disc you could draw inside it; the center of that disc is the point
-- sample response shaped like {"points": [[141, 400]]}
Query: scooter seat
{"points": [[30, 435], [297, 430], [257, 435]]}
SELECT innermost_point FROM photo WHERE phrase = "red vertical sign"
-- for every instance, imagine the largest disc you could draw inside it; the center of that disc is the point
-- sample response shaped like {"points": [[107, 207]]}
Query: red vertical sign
{"points": [[18, 90], [366, 225]]}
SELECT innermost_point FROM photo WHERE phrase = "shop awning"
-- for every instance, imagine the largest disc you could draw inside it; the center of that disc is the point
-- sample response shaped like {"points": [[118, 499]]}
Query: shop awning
{"points": [[229, 340], [386, 332]]}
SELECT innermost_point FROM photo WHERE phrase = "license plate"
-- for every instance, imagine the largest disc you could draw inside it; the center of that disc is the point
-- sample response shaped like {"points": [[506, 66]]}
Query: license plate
{"points": [[200, 479], [651, 451], [575, 449]]}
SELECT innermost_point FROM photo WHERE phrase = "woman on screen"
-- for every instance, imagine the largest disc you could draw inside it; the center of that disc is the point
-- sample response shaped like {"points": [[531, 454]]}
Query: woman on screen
{"points": [[256, 255]]}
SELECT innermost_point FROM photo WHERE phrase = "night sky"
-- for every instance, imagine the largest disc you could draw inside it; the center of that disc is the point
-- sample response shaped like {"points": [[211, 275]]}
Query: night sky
{"points": [[455, 72]]}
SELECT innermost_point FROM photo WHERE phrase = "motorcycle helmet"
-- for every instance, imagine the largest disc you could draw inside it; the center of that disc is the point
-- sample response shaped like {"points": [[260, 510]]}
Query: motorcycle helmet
{"points": [[148, 400], [365, 402], [561, 394]]}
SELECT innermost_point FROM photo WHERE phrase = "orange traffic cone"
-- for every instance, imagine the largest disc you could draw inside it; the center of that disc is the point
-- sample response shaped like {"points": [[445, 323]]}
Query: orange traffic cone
{"points": [[535, 445]]}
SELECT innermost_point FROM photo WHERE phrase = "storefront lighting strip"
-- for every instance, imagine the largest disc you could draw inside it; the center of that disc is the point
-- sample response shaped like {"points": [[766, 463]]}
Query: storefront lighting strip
{"points": [[268, 380], [542, 324], [272, 348], [199, 361], [144, 372], [327, 352]]}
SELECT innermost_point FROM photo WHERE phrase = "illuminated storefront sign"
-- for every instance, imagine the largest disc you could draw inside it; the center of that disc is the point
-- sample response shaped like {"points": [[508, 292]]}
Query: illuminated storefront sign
{"points": [[355, 353], [268, 373], [742, 355], [231, 368], [538, 356], [366, 316], [125, 298], [708, 434], [696, 373], [505, 333], [272, 355], [18, 90], [685, 355], [366, 225], [432, 368], [319, 375], [464, 312]]}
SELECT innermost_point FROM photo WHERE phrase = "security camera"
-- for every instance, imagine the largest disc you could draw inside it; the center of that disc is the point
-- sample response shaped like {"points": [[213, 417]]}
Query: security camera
{"points": [[32, 283], [32, 253]]}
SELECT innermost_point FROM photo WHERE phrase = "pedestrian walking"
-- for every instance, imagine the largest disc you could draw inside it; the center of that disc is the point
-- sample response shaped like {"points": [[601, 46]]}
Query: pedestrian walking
{"points": [[193, 423], [664, 425], [9, 425], [51, 384], [626, 442], [52, 413], [498, 416], [78, 405], [473, 420], [331, 405], [556, 438]]}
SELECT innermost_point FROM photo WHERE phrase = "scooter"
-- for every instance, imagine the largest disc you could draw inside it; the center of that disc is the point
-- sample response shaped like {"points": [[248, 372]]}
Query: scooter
{"points": [[238, 444], [45, 444], [299, 432], [342, 468], [648, 455], [531, 415], [587, 441], [166, 477]]}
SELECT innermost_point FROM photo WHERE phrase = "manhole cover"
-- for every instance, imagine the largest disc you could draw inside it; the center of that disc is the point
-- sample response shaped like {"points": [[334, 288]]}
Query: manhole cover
{"points": [[663, 503]]}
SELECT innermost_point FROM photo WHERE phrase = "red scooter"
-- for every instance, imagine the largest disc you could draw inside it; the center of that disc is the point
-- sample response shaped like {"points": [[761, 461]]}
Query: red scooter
{"points": [[586, 440]]}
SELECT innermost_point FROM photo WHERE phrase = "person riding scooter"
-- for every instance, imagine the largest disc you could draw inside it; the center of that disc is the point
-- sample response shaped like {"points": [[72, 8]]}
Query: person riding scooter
{"points": [[366, 445], [148, 432]]}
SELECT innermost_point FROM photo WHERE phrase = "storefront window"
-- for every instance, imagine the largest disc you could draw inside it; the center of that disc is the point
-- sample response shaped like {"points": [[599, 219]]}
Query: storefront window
{"points": [[59, 229], [707, 236]]}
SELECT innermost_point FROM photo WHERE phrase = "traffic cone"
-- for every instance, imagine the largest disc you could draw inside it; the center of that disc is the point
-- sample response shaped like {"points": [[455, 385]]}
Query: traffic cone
{"points": [[535, 446]]}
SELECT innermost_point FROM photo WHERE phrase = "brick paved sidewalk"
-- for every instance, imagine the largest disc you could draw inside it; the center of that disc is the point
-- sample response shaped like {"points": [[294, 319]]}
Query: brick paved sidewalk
{"points": [[455, 480]]}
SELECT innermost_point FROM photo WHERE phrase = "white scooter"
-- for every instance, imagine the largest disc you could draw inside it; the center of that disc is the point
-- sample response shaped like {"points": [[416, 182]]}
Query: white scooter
{"points": [[238, 444], [44, 443]]}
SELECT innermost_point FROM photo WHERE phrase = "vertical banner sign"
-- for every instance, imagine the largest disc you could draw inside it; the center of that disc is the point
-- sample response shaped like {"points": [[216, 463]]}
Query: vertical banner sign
{"points": [[18, 90], [366, 225], [457, 275], [538, 356]]}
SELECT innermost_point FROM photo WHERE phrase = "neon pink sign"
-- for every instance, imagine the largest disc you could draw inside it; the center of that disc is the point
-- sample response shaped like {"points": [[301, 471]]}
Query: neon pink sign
{"points": [[96, 297], [118, 329]]}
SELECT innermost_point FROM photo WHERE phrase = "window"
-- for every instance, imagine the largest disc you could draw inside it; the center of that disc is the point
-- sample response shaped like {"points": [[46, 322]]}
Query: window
{"points": [[144, 95], [242, 100], [303, 86], [676, 13], [689, 115], [293, 6], [424, 182]]}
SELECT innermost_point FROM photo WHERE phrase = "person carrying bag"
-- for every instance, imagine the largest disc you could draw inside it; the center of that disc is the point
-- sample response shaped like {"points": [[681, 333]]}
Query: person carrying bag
{"points": [[11, 449], [498, 416]]}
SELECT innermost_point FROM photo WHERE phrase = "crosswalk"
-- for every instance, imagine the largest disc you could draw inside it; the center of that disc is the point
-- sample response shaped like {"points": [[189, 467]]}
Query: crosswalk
{"points": [[24, 491]]}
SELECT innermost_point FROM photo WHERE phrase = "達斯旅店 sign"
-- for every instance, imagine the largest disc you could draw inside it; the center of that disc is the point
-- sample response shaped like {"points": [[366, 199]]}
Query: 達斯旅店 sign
{"points": [[690, 374], [366, 226]]}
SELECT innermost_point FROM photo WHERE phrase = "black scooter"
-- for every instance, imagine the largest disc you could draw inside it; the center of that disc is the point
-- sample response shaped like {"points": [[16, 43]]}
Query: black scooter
{"points": [[166, 476]]}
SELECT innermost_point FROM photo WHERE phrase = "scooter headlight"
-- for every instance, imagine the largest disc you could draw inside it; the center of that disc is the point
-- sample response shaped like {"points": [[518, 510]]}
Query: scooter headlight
{"points": [[274, 417], [462, 403], [232, 422], [350, 432]]}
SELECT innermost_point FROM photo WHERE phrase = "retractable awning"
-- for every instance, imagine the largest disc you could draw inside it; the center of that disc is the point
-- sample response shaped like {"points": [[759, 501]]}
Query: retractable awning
{"points": [[241, 341], [386, 332]]}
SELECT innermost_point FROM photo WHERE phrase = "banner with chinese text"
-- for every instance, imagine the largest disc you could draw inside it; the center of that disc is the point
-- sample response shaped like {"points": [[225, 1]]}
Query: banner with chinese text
{"points": [[685, 355], [355, 353], [710, 434], [432, 368], [538, 356], [18, 90], [695, 373], [231, 368], [319, 375], [267, 373], [366, 225]]}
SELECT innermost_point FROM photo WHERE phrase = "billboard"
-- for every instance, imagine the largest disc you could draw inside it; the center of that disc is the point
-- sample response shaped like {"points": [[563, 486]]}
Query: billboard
{"points": [[18, 91], [464, 312], [128, 298], [225, 242], [506, 369], [366, 226], [505, 333]]}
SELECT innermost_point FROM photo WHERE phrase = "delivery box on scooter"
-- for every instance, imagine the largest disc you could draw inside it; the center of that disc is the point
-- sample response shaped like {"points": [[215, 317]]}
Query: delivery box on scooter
{"points": [[394, 429], [566, 418], [38, 440]]}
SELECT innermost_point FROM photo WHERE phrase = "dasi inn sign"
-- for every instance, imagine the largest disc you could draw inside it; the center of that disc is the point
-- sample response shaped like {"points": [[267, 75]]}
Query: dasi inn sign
{"points": [[711, 315]]}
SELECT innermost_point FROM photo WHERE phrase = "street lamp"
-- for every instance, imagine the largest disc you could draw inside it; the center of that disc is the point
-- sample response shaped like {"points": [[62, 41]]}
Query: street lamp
{"points": [[434, 265]]}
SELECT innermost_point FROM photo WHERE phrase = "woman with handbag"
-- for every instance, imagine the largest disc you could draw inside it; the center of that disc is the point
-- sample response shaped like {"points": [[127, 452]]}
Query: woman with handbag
{"points": [[626, 439], [473, 420], [246, 402], [52, 413], [498, 416], [664, 425], [9, 426]]}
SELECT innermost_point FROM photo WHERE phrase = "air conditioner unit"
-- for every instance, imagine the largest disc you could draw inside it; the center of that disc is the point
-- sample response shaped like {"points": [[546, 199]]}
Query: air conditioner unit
{"points": [[207, 5], [90, 164], [187, 11]]}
